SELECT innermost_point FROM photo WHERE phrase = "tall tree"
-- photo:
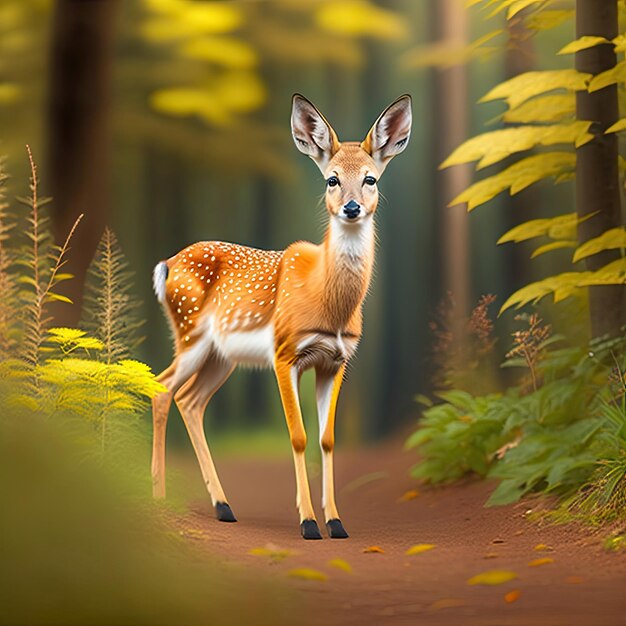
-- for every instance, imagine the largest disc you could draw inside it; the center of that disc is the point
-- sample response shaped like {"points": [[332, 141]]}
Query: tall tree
{"points": [[597, 175], [77, 128]]}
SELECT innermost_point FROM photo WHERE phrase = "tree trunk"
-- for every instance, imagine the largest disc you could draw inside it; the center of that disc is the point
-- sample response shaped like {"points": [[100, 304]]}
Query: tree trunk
{"points": [[452, 127], [597, 175], [78, 132]]}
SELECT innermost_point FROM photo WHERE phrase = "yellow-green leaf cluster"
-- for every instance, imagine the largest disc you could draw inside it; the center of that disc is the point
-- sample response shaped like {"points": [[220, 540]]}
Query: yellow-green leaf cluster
{"points": [[543, 109], [517, 177], [612, 239]]}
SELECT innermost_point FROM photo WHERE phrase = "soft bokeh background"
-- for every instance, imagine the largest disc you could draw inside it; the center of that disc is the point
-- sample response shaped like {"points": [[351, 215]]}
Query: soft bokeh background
{"points": [[169, 121]]}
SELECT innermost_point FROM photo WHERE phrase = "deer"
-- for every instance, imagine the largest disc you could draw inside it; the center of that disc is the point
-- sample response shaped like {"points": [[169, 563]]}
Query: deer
{"points": [[290, 310]]}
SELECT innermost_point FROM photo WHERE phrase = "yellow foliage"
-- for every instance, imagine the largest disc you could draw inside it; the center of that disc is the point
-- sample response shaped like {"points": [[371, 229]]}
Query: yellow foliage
{"points": [[358, 18], [553, 245], [582, 43], [561, 285], [546, 560], [517, 177], [615, 75], [613, 273], [617, 127], [241, 92], [494, 146], [71, 339], [559, 227], [551, 108], [9, 93], [492, 577], [420, 548], [609, 240], [517, 6], [529, 84], [546, 20], [226, 51], [620, 43]]}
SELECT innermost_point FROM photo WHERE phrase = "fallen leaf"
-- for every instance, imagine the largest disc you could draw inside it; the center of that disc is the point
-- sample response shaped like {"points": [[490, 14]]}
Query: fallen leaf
{"points": [[419, 548], [341, 564], [273, 552], [446, 603], [307, 574], [512, 596], [373, 549], [490, 555], [492, 577], [542, 547], [574, 580], [498, 541], [538, 562], [408, 495]]}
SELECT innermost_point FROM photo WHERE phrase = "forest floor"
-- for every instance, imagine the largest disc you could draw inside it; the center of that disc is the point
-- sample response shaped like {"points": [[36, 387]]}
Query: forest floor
{"points": [[582, 585]]}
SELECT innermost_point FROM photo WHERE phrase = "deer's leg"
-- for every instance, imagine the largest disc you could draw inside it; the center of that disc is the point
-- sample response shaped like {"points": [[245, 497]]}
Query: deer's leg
{"points": [[327, 387], [192, 400], [287, 377], [160, 411]]}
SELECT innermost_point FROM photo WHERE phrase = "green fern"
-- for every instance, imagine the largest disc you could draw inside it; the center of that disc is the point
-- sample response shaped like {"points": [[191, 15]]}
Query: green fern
{"points": [[8, 330], [111, 310]]}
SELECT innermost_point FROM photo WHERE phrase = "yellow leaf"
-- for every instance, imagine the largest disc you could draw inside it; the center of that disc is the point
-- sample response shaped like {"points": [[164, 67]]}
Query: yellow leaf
{"points": [[307, 573], [408, 495], [494, 146], [530, 84], [620, 43], [512, 596], [358, 18], [518, 6], [563, 225], [546, 20], [273, 552], [582, 43], [550, 108], [9, 93], [612, 274], [419, 548], [612, 239], [615, 75], [492, 577], [341, 564], [373, 550], [542, 547], [517, 177], [546, 560], [617, 127], [553, 245], [226, 51]]}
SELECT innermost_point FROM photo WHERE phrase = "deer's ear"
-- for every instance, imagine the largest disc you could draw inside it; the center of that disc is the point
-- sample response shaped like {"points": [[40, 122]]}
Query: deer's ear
{"points": [[311, 132], [390, 133]]}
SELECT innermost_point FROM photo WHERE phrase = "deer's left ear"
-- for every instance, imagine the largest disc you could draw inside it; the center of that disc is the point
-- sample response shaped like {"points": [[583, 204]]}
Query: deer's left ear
{"points": [[390, 133]]}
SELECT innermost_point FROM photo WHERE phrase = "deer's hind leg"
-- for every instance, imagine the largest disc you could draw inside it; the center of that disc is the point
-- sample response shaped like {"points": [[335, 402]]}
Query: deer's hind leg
{"points": [[160, 410], [192, 400]]}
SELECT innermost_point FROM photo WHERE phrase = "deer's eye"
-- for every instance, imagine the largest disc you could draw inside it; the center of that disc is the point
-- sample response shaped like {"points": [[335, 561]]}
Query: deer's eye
{"points": [[369, 180], [333, 181]]}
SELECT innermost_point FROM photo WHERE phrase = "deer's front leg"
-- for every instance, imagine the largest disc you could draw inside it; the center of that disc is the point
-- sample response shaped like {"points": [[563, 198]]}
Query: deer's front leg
{"points": [[288, 377], [327, 387]]}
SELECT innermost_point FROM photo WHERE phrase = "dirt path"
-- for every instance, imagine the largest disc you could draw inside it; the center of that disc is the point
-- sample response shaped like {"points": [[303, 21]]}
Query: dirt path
{"points": [[584, 585]]}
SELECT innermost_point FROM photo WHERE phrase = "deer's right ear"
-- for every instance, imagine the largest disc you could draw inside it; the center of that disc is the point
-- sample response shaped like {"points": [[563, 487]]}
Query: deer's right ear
{"points": [[311, 132]]}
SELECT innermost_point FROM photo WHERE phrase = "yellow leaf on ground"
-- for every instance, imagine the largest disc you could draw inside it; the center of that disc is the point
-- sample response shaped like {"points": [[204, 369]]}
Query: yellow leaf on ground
{"points": [[409, 495], [542, 547], [373, 549], [538, 562], [512, 596], [307, 573], [273, 552], [492, 577], [419, 548], [341, 564]]}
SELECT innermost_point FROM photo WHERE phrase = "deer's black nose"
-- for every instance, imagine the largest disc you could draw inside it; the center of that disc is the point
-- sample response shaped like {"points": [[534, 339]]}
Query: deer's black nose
{"points": [[352, 210]]}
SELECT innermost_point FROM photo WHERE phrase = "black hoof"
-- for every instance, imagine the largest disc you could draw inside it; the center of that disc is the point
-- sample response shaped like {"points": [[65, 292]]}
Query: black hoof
{"points": [[336, 530], [224, 513], [310, 529]]}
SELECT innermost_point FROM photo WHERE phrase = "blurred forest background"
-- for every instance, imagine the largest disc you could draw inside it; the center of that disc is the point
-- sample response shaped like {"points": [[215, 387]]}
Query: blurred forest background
{"points": [[168, 120]]}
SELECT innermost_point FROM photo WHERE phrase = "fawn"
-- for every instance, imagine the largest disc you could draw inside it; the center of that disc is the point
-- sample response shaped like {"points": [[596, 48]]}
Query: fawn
{"points": [[292, 310]]}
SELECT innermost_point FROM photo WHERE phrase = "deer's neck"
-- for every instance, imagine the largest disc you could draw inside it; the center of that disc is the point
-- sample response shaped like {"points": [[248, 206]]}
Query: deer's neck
{"points": [[347, 260]]}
